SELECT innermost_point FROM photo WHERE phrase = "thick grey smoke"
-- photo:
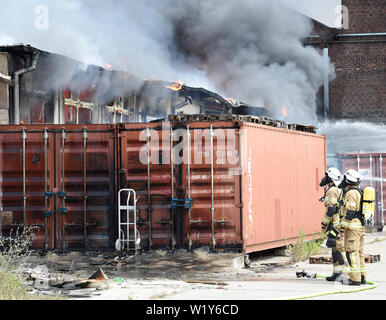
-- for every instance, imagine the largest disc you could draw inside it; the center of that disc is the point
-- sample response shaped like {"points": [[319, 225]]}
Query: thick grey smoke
{"points": [[250, 50]]}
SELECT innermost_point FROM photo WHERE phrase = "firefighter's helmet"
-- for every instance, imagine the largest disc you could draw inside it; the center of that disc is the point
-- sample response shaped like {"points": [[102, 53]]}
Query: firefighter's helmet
{"points": [[352, 177], [331, 175]]}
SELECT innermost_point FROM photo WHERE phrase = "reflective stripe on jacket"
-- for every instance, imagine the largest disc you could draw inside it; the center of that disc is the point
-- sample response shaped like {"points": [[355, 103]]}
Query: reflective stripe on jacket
{"points": [[331, 199], [352, 201]]}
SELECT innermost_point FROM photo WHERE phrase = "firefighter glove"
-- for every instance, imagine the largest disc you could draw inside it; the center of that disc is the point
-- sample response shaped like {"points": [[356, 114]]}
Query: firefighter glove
{"points": [[331, 241], [350, 215]]}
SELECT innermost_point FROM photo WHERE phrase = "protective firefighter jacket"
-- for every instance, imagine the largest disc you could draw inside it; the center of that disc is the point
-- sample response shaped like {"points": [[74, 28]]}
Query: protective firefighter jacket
{"points": [[354, 232], [352, 201], [332, 199]]}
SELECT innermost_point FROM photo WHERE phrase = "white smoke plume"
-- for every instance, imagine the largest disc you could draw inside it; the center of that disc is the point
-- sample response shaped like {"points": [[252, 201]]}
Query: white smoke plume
{"points": [[351, 137], [250, 50]]}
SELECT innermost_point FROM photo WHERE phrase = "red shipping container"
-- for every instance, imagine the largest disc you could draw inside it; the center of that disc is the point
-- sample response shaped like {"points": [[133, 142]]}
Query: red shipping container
{"points": [[373, 172], [241, 186]]}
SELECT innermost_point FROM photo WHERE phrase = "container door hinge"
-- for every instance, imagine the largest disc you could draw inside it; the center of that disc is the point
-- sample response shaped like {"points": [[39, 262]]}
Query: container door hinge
{"points": [[61, 210], [49, 194], [186, 203]]}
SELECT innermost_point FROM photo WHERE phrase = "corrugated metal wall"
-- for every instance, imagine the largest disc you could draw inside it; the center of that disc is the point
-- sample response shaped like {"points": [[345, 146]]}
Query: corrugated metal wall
{"points": [[152, 183], [241, 185], [212, 221], [373, 171], [73, 205], [280, 189]]}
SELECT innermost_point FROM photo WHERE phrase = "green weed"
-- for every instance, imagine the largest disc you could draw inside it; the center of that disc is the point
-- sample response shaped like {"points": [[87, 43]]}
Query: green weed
{"points": [[302, 249]]}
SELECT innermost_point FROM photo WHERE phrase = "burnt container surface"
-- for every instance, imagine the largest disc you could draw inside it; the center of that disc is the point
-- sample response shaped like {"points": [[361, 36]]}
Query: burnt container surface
{"points": [[165, 218], [373, 171], [224, 184], [214, 218], [144, 153], [65, 186], [280, 187]]}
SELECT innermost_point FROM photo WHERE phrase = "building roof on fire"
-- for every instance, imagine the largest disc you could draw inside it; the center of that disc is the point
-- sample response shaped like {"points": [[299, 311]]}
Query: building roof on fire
{"points": [[212, 101]]}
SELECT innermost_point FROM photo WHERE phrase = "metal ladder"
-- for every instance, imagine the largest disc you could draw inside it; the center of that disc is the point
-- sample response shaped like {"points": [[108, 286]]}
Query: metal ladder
{"points": [[128, 235]]}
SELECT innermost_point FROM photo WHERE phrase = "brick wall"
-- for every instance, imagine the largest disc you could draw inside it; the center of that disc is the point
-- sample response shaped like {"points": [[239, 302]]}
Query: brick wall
{"points": [[365, 16], [359, 90]]}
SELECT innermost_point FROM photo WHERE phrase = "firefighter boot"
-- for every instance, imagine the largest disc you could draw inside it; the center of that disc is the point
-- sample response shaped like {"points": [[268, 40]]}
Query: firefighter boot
{"points": [[349, 282], [363, 279], [334, 277]]}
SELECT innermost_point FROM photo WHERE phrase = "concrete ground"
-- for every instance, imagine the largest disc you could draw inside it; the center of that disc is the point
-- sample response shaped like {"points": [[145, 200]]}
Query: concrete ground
{"points": [[204, 276]]}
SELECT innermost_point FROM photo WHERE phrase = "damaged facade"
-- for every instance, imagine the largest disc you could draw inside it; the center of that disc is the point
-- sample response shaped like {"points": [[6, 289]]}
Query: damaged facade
{"points": [[41, 87]]}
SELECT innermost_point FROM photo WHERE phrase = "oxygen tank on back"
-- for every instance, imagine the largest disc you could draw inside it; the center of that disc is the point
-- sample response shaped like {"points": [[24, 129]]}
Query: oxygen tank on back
{"points": [[368, 203]]}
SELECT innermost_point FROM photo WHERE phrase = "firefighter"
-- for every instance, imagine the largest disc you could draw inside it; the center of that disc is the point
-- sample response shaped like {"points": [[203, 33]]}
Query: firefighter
{"points": [[331, 222], [353, 227]]}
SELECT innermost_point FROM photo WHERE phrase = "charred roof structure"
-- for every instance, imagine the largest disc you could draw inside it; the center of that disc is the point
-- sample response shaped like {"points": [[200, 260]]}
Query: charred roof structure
{"points": [[42, 87]]}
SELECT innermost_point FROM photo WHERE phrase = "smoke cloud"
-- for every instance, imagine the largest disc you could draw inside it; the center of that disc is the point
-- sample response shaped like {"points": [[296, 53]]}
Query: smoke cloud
{"points": [[250, 50], [345, 136]]}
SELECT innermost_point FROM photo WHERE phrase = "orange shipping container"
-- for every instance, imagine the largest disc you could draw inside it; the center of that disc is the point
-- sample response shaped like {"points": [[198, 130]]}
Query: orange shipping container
{"points": [[280, 188]]}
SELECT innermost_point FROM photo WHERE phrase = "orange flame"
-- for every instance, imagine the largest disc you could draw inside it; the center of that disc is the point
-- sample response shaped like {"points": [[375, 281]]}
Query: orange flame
{"points": [[108, 67], [284, 112], [176, 86], [231, 100]]}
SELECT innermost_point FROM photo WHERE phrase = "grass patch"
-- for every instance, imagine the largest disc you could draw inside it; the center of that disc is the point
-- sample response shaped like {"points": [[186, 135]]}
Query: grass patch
{"points": [[302, 249], [12, 287], [14, 254]]}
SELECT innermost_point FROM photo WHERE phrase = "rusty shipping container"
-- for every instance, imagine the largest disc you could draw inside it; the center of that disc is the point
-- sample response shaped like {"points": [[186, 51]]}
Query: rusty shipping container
{"points": [[226, 184], [373, 172], [60, 179]]}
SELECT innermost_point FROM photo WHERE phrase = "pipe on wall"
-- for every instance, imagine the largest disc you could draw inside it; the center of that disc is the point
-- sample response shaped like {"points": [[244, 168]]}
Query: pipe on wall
{"points": [[6, 79], [16, 88], [361, 34], [326, 78], [326, 86]]}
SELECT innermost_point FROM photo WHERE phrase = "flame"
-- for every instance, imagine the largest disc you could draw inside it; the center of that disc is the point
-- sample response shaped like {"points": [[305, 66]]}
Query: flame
{"points": [[176, 86], [108, 66], [284, 112]]}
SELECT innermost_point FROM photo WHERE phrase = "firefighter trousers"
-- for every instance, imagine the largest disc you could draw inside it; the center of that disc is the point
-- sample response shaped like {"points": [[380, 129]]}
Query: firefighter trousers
{"points": [[354, 243], [339, 261]]}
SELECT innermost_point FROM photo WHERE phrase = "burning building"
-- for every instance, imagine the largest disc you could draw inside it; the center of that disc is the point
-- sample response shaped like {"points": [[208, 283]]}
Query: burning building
{"points": [[41, 87], [83, 128]]}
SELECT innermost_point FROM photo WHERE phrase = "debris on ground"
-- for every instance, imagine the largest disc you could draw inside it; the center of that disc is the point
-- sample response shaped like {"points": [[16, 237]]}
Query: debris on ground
{"points": [[98, 281], [216, 283]]}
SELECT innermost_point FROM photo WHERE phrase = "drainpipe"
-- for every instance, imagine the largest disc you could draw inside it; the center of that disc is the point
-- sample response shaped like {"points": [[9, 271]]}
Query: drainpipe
{"points": [[326, 88], [361, 34], [326, 79], [16, 89]]}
